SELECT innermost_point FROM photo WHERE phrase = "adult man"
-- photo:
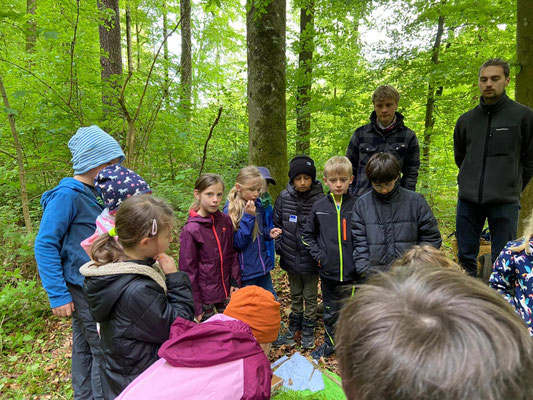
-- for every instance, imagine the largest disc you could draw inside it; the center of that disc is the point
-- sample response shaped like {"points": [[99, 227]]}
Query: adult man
{"points": [[385, 133], [493, 146], [425, 332]]}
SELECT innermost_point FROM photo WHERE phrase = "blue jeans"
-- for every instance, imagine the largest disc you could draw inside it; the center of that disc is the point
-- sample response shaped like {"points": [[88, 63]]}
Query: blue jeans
{"points": [[470, 218], [264, 281]]}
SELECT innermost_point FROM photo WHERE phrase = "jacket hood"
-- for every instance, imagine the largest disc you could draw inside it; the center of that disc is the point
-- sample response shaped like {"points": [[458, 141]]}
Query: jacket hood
{"points": [[195, 217], [398, 124], [107, 282], [316, 188], [218, 340], [68, 183]]}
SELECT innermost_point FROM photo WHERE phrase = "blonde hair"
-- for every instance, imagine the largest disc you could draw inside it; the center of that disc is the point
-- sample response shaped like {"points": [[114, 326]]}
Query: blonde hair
{"points": [[426, 255], [137, 217], [527, 236], [202, 183], [237, 203], [338, 165], [385, 92]]}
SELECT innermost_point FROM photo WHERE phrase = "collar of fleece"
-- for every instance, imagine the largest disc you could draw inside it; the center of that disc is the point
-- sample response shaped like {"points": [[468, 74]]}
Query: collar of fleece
{"points": [[154, 272]]}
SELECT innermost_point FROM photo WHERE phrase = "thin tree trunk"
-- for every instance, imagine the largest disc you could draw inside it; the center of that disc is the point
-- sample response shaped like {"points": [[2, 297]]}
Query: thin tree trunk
{"points": [[110, 57], [31, 31], [186, 61], [129, 50], [166, 62], [524, 84], [20, 161], [305, 72], [429, 121], [267, 145]]}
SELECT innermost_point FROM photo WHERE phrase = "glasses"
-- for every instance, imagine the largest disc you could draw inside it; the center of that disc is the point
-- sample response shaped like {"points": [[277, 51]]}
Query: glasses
{"points": [[388, 185]]}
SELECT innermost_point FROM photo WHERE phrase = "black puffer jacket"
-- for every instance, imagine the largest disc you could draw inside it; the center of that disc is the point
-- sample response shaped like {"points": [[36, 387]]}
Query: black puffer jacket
{"points": [[322, 232], [128, 300], [291, 211], [385, 226]]}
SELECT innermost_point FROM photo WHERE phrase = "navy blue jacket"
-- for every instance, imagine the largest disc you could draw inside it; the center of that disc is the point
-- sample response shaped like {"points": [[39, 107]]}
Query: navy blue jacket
{"points": [[70, 211], [253, 256]]}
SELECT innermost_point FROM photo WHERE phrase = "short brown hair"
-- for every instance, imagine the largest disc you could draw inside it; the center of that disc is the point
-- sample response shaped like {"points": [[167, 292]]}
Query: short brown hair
{"points": [[426, 254], [382, 168], [338, 165], [496, 62], [384, 92], [424, 332]]}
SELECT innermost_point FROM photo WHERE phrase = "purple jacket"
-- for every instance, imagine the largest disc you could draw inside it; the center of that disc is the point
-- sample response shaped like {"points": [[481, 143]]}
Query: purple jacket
{"points": [[218, 359], [208, 257]]}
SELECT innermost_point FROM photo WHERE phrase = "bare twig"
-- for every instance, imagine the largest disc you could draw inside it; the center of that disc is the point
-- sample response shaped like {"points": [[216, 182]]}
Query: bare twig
{"points": [[72, 45], [209, 137], [7, 154]]}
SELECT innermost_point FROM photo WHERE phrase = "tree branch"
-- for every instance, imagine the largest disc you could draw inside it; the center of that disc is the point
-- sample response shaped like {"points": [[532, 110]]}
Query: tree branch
{"points": [[208, 138], [7, 154], [72, 45]]}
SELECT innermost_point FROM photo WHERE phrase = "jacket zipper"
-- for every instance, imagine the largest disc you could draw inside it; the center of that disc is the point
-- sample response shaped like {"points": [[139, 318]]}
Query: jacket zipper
{"points": [[482, 178], [339, 238], [221, 257]]}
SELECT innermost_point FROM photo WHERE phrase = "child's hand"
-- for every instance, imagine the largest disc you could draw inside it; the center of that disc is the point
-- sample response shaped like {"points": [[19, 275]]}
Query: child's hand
{"points": [[166, 263], [233, 289], [199, 317], [249, 208], [65, 310], [275, 233]]}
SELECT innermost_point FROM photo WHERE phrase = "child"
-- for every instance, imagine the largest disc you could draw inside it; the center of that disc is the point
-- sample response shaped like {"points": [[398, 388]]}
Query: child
{"points": [[250, 235], [290, 214], [512, 275], [115, 184], [426, 332], [266, 202], [224, 358], [327, 234], [135, 299], [69, 212], [206, 249], [426, 255], [389, 219]]}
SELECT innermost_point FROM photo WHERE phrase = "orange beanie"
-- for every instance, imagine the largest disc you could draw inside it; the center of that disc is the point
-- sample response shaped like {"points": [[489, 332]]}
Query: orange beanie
{"points": [[258, 308]]}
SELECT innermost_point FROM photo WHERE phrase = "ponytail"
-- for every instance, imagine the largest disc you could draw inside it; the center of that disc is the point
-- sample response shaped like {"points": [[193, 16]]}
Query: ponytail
{"points": [[106, 250]]}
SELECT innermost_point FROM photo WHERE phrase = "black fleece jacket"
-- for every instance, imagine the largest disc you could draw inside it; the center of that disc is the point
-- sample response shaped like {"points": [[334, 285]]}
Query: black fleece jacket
{"points": [[291, 212], [328, 235], [135, 315], [493, 146]]}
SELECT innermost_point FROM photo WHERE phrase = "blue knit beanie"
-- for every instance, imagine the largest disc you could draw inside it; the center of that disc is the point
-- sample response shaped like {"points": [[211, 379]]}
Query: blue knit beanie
{"points": [[92, 147]]}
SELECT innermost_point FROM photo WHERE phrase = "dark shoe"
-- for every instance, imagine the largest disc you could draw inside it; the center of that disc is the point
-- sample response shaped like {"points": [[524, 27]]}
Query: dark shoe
{"points": [[308, 336], [284, 339], [295, 323], [325, 350]]}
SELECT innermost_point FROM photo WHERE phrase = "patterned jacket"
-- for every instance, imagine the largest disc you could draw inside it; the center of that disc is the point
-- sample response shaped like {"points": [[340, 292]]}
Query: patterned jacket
{"points": [[370, 139], [512, 276]]}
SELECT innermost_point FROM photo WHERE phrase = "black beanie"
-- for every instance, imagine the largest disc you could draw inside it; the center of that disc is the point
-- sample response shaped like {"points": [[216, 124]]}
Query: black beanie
{"points": [[302, 165]]}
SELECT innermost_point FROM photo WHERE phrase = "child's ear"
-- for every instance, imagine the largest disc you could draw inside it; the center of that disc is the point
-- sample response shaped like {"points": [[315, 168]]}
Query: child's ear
{"points": [[238, 187], [325, 179], [144, 242], [196, 194], [351, 179]]}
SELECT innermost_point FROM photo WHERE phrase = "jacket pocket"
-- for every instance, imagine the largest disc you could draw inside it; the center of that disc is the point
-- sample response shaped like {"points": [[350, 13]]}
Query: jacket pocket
{"points": [[503, 141], [366, 151], [399, 150]]}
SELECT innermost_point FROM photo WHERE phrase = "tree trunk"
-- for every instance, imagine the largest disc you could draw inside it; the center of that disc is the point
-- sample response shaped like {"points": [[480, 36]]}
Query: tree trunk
{"points": [[31, 31], [524, 84], [305, 71], [185, 61], [267, 145], [166, 62], [110, 57], [129, 50], [20, 161], [429, 121]]}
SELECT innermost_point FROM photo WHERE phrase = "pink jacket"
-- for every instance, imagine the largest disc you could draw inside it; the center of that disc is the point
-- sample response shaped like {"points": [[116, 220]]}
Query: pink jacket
{"points": [[218, 359]]}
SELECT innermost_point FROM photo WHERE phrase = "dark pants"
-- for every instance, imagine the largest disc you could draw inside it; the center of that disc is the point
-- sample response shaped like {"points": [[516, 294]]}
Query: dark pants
{"points": [[264, 281], [86, 352], [304, 288], [333, 295], [503, 223]]}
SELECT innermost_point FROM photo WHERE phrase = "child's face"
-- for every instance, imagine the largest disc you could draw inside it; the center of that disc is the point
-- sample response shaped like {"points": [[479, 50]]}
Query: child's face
{"points": [[209, 199], [251, 190], [338, 183], [161, 241], [384, 188], [302, 182]]}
